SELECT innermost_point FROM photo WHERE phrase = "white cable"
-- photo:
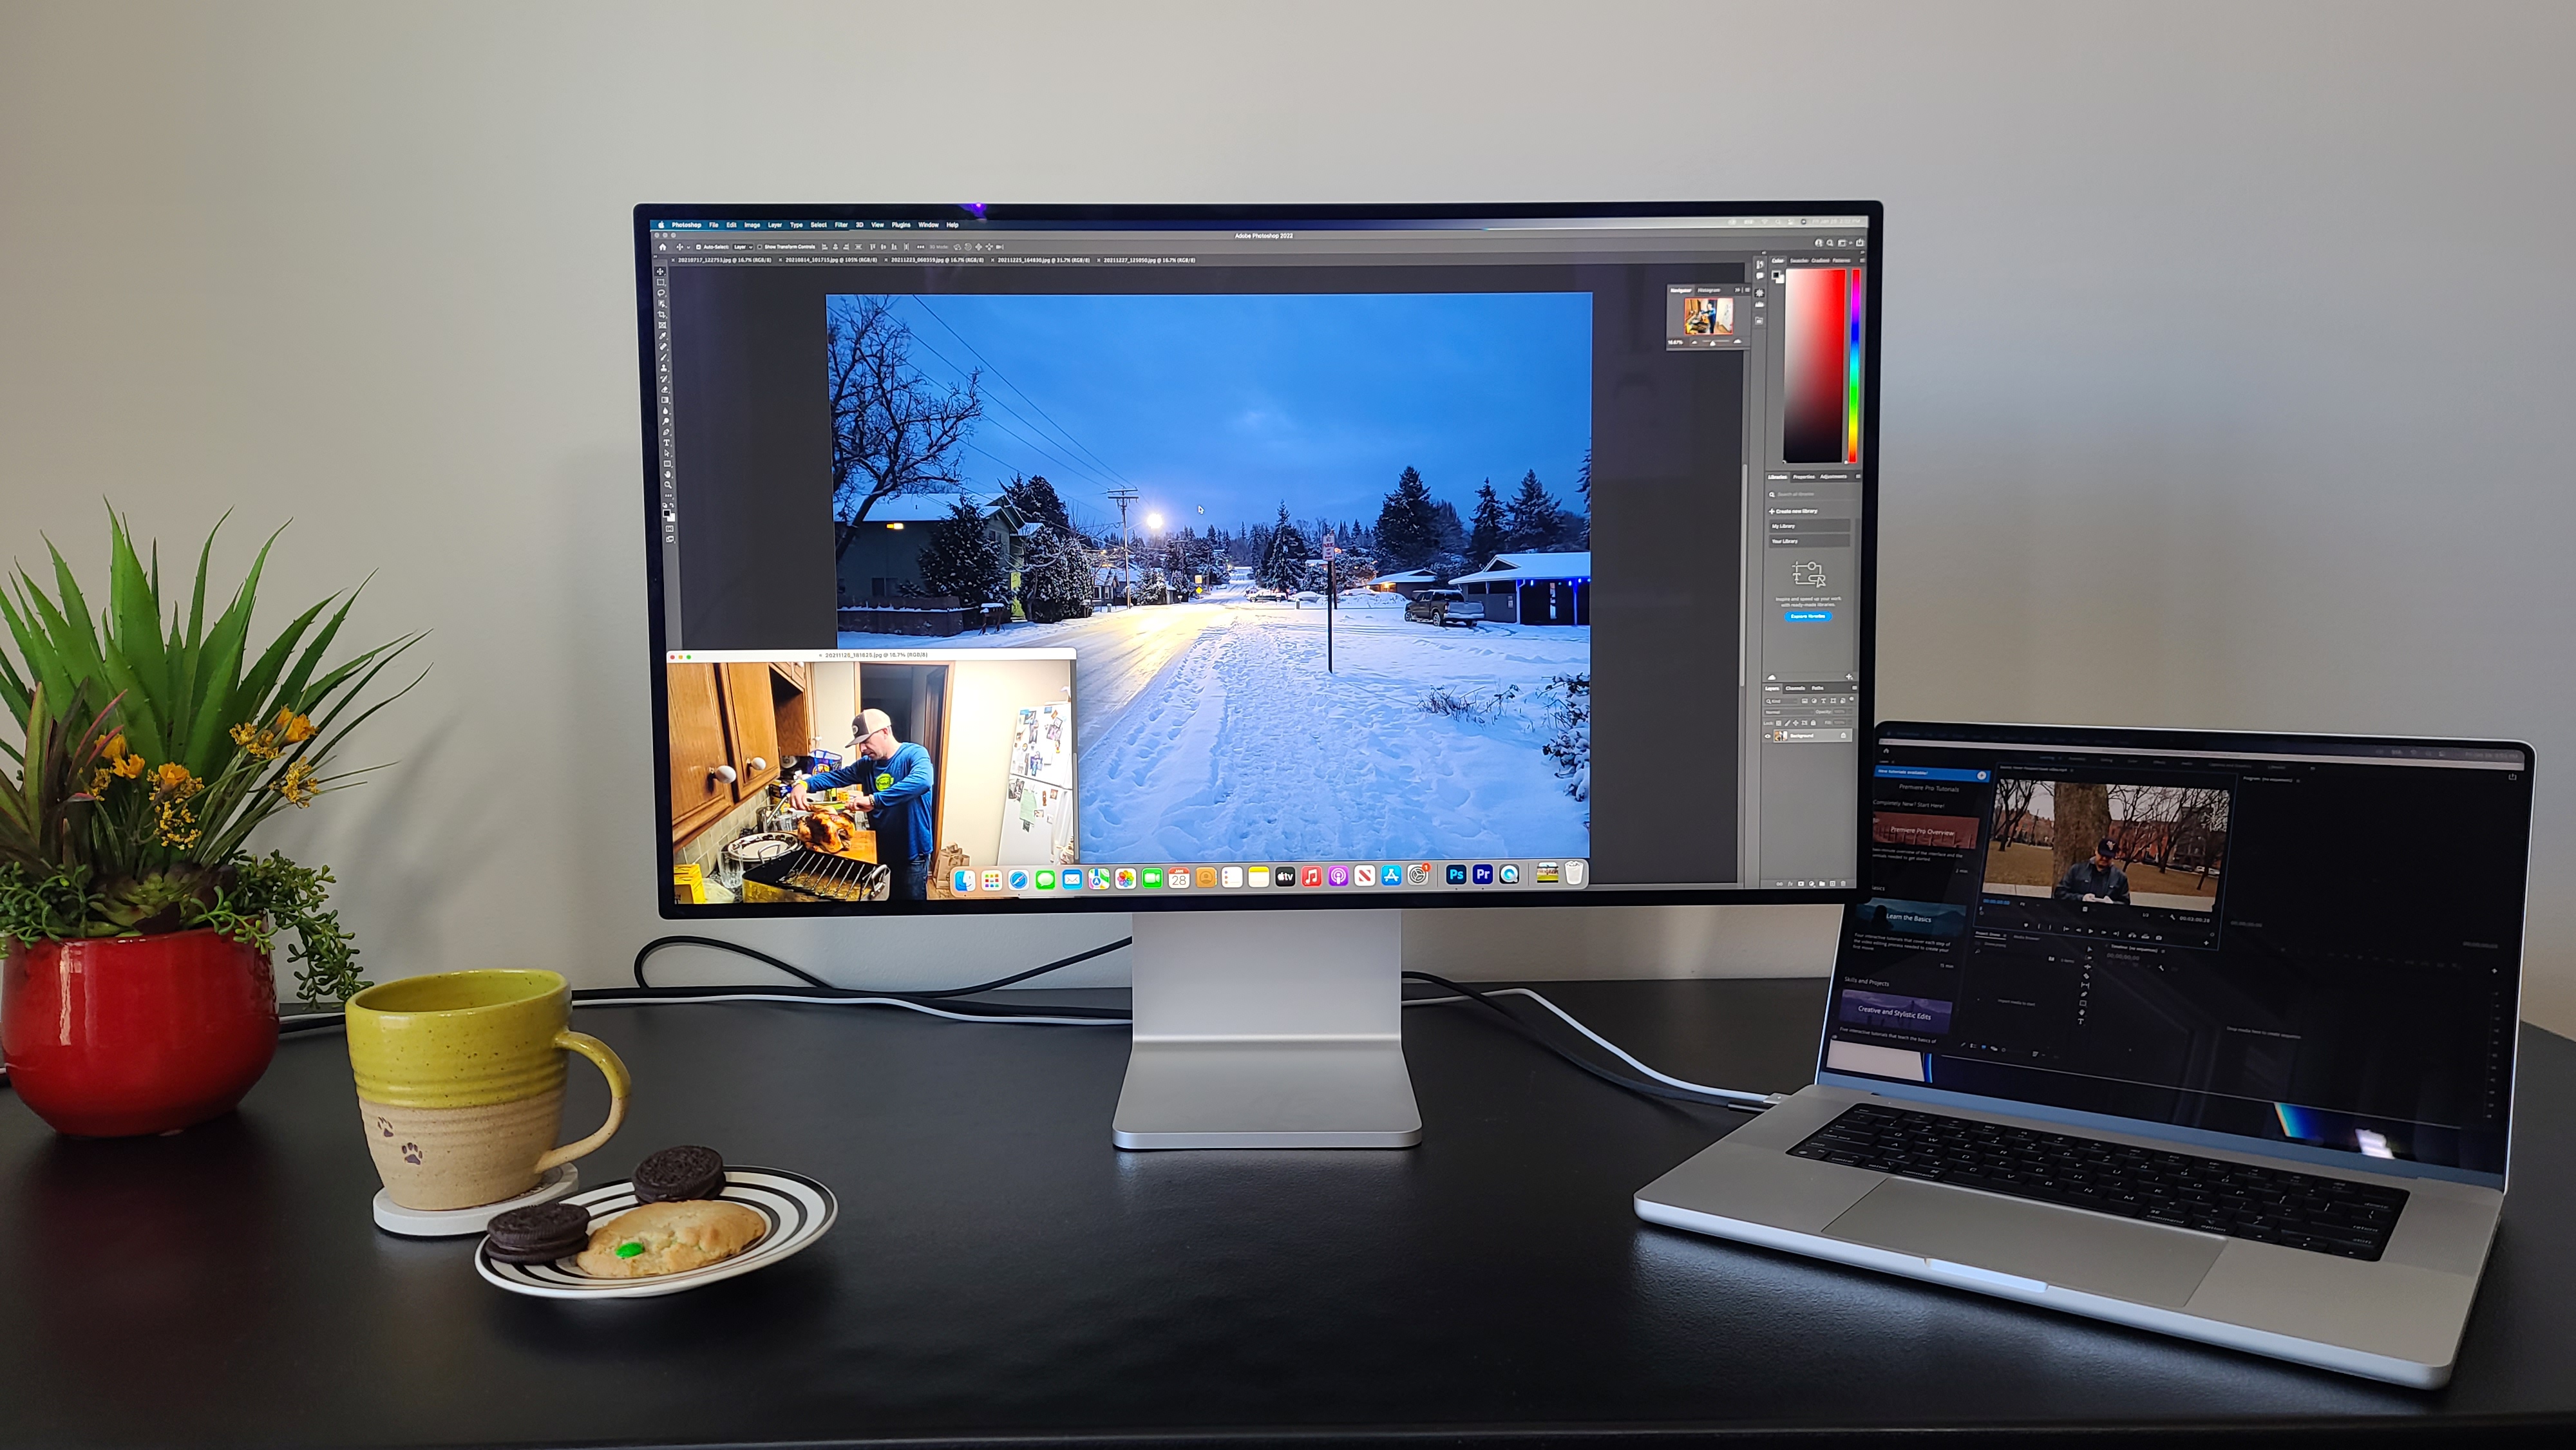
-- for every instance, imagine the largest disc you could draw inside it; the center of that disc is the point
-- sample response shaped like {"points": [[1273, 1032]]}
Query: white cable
{"points": [[1606, 1045]]}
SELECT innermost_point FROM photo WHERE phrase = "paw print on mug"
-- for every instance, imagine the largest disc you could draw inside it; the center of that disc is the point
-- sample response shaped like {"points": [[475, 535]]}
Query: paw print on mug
{"points": [[411, 1153], [385, 1128]]}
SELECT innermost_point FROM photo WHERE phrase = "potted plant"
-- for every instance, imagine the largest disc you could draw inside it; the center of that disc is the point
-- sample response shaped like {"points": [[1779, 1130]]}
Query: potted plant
{"points": [[138, 996]]}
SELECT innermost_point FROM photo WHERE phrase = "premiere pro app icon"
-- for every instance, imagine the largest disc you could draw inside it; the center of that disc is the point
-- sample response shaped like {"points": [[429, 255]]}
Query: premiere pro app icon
{"points": [[1484, 874]]}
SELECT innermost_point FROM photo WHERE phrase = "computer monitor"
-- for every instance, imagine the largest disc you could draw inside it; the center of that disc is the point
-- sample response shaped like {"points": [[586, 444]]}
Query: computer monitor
{"points": [[1259, 571]]}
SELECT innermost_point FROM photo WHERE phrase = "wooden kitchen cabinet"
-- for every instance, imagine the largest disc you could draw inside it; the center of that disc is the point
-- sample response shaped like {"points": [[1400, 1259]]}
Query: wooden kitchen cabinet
{"points": [[699, 743], [790, 687], [725, 716], [751, 715]]}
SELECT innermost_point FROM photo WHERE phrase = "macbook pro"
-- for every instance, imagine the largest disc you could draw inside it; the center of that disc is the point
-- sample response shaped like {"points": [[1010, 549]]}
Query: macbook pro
{"points": [[2210, 1034]]}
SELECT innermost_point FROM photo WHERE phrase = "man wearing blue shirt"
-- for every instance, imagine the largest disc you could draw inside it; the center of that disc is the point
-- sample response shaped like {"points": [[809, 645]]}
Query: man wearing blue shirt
{"points": [[894, 785]]}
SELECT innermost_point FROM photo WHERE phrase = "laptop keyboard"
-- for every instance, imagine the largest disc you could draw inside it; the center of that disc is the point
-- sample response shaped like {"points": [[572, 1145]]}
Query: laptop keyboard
{"points": [[2267, 1205]]}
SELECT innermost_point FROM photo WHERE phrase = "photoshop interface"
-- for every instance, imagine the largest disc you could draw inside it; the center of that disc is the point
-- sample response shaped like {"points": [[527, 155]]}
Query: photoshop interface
{"points": [[2311, 948], [1354, 540]]}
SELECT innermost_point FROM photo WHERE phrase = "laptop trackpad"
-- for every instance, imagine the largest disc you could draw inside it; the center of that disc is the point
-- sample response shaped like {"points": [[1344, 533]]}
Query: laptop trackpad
{"points": [[2142, 1263]]}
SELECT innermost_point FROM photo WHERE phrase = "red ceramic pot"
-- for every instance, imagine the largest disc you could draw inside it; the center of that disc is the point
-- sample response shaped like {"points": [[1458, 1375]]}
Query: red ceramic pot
{"points": [[115, 1036]]}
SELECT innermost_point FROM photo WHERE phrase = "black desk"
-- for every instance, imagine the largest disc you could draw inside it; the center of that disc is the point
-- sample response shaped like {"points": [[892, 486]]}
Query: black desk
{"points": [[1000, 1271]]}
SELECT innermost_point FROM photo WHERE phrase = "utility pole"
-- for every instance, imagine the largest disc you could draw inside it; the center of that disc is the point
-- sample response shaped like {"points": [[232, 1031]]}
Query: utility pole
{"points": [[1331, 595], [1123, 497]]}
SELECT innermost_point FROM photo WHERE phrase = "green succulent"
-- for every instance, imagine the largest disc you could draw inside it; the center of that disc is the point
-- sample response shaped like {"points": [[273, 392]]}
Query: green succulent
{"points": [[151, 746]]}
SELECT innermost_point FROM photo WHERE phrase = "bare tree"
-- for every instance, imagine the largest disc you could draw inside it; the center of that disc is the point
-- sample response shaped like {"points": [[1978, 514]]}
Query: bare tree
{"points": [[2083, 818], [893, 430], [2012, 806]]}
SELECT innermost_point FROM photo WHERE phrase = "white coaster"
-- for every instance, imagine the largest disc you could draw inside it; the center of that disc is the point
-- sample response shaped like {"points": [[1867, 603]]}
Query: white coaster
{"points": [[443, 1223]]}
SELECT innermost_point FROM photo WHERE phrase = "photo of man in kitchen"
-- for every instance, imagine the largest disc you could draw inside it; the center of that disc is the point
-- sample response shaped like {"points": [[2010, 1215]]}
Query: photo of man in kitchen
{"points": [[894, 782], [866, 776]]}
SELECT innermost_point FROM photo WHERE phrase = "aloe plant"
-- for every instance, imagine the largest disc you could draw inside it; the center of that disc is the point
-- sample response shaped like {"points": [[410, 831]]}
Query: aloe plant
{"points": [[151, 746]]}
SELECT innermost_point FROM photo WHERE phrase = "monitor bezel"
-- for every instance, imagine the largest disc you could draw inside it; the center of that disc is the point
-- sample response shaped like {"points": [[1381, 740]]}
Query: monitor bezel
{"points": [[1293, 899]]}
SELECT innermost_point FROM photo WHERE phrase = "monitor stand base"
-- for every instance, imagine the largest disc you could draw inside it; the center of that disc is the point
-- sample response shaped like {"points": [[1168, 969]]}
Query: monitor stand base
{"points": [[1267, 1029]]}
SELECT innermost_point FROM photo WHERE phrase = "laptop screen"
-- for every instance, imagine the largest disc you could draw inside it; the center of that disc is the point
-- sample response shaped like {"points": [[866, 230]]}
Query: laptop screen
{"points": [[2304, 940]]}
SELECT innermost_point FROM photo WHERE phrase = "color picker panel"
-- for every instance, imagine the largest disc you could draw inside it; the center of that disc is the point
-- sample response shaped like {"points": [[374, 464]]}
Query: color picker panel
{"points": [[1821, 366]]}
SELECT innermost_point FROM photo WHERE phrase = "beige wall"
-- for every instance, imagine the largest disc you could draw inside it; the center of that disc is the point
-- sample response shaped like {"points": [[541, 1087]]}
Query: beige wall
{"points": [[2258, 312]]}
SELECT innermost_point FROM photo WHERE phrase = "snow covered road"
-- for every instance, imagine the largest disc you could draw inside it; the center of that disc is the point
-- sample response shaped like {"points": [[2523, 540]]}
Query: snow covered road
{"points": [[1212, 732]]}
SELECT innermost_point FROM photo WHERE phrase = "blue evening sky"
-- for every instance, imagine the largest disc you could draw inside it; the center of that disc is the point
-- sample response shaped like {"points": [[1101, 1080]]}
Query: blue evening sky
{"points": [[1234, 404]]}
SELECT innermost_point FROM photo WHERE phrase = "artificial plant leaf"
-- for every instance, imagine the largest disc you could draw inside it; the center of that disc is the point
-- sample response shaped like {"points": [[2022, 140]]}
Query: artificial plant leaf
{"points": [[134, 615], [291, 690], [219, 668]]}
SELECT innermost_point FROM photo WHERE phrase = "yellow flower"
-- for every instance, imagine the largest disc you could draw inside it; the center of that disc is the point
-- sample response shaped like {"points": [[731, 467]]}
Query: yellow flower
{"points": [[175, 823], [256, 743], [98, 780], [115, 745], [174, 781], [127, 768], [297, 784], [296, 728]]}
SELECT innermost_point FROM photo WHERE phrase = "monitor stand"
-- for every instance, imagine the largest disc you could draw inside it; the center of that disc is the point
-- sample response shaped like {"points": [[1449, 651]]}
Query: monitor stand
{"points": [[1267, 1029]]}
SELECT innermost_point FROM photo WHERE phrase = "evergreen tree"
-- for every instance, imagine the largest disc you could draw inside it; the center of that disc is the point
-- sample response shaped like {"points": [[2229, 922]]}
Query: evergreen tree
{"points": [[1284, 566], [1583, 485], [1532, 521], [1487, 534], [1037, 501], [963, 558], [1408, 524], [1453, 532], [1056, 580]]}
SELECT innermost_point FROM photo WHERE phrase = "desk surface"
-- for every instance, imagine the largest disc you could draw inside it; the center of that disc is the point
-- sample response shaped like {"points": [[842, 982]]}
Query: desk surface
{"points": [[1000, 1271]]}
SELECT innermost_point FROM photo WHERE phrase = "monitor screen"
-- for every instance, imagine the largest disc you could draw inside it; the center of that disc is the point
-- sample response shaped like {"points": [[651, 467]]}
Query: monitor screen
{"points": [[2309, 942], [1010, 557]]}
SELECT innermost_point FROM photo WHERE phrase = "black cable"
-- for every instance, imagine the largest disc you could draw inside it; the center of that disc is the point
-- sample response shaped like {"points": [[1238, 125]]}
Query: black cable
{"points": [[660, 942], [822, 991], [1512, 1020]]}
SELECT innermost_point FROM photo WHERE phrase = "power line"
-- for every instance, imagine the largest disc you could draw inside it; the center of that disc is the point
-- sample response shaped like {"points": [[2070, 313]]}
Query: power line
{"points": [[1046, 451], [1023, 392]]}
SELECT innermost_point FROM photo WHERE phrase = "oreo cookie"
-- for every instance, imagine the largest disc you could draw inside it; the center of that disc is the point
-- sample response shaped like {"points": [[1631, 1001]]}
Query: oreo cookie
{"points": [[539, 1234], [678, 1173]]}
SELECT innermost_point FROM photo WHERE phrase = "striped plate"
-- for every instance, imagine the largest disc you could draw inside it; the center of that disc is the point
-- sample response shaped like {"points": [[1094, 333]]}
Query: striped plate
{"points": [[799, 1211]]}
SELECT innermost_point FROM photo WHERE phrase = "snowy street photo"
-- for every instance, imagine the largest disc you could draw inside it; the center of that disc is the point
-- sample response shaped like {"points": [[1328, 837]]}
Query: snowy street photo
{"points": [[1323, 560]]}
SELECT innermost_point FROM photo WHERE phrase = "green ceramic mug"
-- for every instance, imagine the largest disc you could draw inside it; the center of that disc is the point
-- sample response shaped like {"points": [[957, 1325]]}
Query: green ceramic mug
{"points": [[461, 1083]]}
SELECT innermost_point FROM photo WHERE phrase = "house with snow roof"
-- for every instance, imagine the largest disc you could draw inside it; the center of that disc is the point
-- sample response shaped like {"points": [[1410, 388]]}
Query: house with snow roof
{"points": [[1533, 588], [1404, 583], [883, 560]]}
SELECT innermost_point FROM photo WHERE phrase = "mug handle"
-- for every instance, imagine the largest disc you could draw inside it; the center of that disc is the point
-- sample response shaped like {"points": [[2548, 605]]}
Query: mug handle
{"points": [[620, 1084]]}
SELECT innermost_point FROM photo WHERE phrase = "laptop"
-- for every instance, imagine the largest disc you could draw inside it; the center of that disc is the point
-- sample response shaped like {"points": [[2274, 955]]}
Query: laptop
{"points": [[2205, 1033]]}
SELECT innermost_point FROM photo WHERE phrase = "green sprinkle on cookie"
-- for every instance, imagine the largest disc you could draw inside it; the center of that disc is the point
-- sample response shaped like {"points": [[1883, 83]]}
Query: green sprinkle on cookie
{"points": [[628, 1251]]}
